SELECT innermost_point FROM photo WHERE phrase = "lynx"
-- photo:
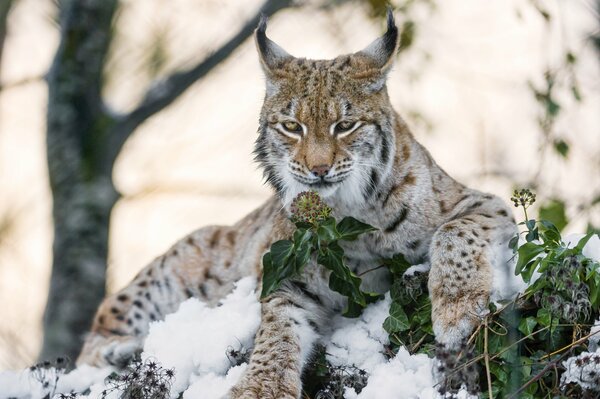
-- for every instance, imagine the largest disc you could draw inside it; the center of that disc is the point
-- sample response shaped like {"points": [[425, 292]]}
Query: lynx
{"points": [[326, 126]]}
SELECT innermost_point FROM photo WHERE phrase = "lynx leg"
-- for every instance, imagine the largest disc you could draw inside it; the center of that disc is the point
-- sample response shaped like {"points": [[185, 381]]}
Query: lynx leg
{"points": [[190, 268], [460, 280], [282, 345]]}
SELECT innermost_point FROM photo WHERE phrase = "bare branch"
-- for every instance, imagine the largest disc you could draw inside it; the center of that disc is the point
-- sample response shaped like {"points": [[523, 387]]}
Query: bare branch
{"points": [[161, 94], [21, 82]]}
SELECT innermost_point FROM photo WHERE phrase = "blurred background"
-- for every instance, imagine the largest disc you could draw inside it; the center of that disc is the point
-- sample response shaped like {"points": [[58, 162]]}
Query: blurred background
{"points": [[126, 124]]}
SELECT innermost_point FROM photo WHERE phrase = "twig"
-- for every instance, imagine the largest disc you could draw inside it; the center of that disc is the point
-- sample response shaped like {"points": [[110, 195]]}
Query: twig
{"points": [[486, 356], [537, 376], [570, 345], [369, 270]]}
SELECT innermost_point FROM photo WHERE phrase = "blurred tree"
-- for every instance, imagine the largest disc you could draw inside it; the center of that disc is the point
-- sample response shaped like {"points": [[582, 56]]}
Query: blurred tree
{"points": [[5, 6], [83, 140]]}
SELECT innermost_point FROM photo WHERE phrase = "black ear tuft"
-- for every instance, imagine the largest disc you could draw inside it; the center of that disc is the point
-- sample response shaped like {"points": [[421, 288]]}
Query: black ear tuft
{"points": [[391, 36], [261, 33]]}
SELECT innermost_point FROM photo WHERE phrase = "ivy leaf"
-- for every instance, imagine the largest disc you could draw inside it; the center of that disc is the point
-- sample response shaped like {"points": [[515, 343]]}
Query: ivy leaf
{"points": [[278, 264], [526, 253], [397, 321], [303, 247], [327, 232], [561, 147], [349, 228], [527, 325], [582, 243], [332, 257], [269, 281], [281, 251], [513, 243], [397, 265]]}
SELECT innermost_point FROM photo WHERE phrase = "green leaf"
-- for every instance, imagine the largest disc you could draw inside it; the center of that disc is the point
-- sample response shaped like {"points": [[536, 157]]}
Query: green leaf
{"points": [[397, 264], [530, 224], [532, 235], [349, 228], [527, 325], [397, 321], [303, 248], [327, 231], [281, 251], [526, 253], [269, 280], [583, 241], [513, 243], [554, 211], [561, 147], [544, 317], [332, 257]]}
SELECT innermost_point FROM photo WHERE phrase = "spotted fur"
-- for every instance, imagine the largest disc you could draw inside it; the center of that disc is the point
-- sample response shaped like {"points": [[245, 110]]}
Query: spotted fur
{"points": [[328, 126]]}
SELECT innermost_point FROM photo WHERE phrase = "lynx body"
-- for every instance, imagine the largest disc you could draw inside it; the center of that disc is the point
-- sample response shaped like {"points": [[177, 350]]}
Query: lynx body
{"points": [[327, 126]]}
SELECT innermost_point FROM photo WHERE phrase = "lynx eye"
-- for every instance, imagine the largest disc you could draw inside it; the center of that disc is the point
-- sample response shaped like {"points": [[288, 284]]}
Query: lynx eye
{"points": [[292, 127], [344, 127]]}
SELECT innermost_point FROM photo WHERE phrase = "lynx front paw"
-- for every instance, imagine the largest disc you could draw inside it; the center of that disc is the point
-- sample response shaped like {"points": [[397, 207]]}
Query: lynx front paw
{"points": [[275, 385]]}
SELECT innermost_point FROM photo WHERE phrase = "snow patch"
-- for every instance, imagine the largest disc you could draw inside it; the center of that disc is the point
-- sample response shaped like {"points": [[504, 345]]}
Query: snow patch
{"points": [[195, 340]]}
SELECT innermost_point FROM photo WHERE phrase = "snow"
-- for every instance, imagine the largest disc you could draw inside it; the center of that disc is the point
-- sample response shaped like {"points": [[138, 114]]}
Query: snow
{"points": [[195, 342]]}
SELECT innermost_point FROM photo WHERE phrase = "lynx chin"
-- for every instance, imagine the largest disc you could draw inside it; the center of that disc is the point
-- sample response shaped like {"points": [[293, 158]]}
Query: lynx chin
{"points": [[326, 126]]}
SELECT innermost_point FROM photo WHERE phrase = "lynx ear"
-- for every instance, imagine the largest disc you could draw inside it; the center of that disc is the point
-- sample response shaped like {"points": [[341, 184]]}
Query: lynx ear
{"points": [[379, 55], [271, 55]]}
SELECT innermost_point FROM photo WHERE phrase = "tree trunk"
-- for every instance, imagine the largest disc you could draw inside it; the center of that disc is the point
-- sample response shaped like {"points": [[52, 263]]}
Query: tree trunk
{"points": [[82, 191], [83, 141], [5, 6]]}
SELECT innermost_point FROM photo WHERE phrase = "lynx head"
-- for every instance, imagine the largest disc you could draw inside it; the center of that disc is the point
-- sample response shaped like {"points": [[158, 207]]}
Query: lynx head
{"points": [[327, 125]]}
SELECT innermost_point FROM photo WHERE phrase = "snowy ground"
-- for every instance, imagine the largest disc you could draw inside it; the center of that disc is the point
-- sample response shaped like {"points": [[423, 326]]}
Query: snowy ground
{"points": [[203, 370]]}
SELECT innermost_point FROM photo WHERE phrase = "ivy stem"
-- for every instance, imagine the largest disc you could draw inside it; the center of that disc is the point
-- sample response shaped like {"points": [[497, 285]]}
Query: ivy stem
{"points": [[580, 340], [370, 270], [486, 356]]}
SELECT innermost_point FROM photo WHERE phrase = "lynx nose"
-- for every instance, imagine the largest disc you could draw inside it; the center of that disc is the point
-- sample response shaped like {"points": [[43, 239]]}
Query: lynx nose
{"points": [[320, 171]]}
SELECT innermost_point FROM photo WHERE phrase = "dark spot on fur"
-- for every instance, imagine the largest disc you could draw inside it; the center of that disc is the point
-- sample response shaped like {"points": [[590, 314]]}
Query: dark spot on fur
{"points": [[463, 254], [214, 239], [413, 244], [470, 241], [475, 205], [123, 297], [230, 237], [398, 220], [138, 304], [502, 212], [142, 284], [114, 310]]}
